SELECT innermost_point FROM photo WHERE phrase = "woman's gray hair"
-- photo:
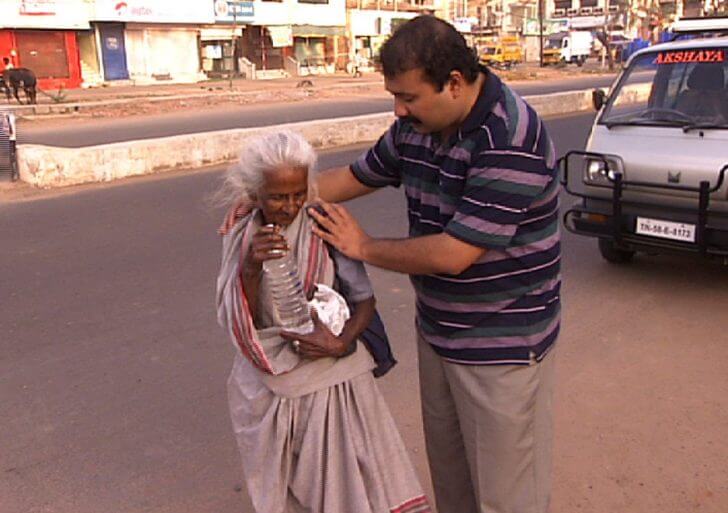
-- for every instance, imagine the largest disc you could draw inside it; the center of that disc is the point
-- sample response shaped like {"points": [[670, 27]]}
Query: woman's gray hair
{"points": [[264, 154]]}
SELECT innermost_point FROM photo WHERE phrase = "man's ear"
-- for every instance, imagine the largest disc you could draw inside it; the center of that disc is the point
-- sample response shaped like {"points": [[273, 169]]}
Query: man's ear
{"points": [[455, 83]]}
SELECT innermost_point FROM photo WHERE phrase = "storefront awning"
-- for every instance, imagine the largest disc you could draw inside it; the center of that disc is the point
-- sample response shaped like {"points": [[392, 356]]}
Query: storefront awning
{"points": [[317, 31], [219, 34], [281, 36]]}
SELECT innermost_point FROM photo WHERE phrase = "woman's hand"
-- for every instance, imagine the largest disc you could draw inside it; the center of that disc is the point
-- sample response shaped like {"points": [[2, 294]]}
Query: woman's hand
{"points": [[267, 244], [320, 343]]}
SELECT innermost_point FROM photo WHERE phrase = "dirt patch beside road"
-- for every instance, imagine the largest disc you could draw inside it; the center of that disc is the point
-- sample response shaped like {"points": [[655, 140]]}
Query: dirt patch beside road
{"points": [[153, 100]]}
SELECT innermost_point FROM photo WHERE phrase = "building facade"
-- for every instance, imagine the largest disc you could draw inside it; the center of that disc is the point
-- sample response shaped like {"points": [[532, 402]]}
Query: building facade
{"points": [[150, 41], [220, 44], [68, 43], [42, 35], [371, 22]]}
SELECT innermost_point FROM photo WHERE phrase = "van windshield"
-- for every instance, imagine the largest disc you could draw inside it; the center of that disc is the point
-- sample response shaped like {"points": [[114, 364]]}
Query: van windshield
{"points": [[681, 88], [553, 42]]}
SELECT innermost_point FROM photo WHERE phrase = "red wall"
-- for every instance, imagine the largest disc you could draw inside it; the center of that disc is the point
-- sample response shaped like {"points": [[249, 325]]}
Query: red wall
{"points": [[74, 66], [7, 43]]}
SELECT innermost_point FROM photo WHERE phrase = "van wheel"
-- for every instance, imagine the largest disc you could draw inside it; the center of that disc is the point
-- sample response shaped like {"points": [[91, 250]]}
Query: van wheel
{"points": [[614, 255], [580, 61]]}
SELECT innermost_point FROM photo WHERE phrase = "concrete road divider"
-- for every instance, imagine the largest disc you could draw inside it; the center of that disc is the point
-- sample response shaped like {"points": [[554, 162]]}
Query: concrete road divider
{"points": [[49, 166]]}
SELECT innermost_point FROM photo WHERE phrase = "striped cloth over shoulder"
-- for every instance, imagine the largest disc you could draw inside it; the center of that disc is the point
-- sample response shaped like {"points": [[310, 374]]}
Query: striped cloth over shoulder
{"points": [[494, 185]]}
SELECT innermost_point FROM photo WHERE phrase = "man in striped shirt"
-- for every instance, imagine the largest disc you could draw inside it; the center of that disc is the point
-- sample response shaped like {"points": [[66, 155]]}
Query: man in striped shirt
{"points": [[483, 252]]}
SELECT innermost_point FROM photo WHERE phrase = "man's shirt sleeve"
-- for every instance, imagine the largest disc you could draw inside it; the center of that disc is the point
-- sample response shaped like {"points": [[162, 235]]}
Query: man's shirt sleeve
{"points": [[379, 165], [500, 187], [353, 279]]}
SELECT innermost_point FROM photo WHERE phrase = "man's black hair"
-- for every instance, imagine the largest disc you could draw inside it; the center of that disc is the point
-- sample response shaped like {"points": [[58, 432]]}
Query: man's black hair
{"points": [[430, 44]]}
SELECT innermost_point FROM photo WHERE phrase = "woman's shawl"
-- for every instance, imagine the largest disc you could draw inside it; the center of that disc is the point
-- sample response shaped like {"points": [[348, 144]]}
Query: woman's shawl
{"points": [[264, 348]]}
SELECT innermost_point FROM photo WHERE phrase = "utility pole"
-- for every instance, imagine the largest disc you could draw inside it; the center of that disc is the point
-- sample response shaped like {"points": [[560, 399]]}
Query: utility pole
{"points": [[607, 15], [234, 5], [540, 33]]}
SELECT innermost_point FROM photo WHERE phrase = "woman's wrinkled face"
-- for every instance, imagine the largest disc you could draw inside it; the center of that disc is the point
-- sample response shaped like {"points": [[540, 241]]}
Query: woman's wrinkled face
{"points": [[282, 195]]}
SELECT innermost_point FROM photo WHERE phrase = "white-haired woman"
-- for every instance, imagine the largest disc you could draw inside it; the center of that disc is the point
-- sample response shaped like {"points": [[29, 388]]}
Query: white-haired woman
{"points": [[314, 433]]}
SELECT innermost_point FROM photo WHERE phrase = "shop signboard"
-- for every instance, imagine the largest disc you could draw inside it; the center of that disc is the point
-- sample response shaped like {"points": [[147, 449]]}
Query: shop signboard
{"points": [[154, 11], [531, 27], [231, 11], [465, 25], [45, 14], [38, 7]]}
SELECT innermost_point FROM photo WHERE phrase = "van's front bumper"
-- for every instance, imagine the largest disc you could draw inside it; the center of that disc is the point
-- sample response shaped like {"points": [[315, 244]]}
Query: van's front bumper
{"points": [[615, 219]]}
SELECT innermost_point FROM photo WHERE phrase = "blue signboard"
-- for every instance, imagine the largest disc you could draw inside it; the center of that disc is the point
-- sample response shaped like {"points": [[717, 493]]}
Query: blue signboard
{"points": [[229, 11]]}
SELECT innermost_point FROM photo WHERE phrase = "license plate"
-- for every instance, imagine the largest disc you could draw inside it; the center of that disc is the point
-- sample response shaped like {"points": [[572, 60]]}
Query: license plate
{"points": [[665, 229]]}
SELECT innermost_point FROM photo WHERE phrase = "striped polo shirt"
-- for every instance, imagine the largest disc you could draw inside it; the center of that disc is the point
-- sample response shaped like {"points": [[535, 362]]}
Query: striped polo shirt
{"points": [[493, 185]]}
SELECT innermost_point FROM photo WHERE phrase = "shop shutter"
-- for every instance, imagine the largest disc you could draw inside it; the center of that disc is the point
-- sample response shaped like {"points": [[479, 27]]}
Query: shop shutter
{"points": [[44, 52]]}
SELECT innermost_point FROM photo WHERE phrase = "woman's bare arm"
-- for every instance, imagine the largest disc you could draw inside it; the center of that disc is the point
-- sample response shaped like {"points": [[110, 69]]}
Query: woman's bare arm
{"points": [[321, 342]]}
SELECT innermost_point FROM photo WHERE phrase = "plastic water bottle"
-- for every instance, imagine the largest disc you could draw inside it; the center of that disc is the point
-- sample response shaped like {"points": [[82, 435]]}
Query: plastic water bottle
{"points": [[287, 292]]}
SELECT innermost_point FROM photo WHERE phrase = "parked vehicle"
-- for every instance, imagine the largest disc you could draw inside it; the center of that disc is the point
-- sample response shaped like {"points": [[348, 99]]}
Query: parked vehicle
{"points": [[618, 45], [568, 47], [653, 176], [502, 53]]}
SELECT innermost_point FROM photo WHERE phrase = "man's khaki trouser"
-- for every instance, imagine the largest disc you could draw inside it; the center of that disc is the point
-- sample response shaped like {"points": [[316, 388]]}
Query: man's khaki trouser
{"points": [[488, 431]]}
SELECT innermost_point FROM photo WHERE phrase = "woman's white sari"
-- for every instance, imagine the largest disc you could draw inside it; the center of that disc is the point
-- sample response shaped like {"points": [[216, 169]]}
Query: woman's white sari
{"points": [[315, 435]]}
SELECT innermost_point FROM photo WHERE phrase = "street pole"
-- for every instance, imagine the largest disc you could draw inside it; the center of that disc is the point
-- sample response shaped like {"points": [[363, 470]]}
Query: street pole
{"points": [[610, 58], [540, 33], [235, 43]]}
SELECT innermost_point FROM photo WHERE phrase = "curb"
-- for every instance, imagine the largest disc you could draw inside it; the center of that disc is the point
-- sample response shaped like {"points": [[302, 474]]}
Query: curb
{"points": [[48, 166]]}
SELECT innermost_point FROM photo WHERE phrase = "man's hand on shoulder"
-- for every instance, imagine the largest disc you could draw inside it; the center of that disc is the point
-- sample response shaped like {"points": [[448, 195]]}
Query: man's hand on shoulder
{"points": [[339, 228], [430, 254]]}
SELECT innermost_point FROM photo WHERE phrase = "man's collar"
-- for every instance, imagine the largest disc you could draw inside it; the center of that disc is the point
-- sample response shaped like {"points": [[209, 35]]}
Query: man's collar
{"points": [[489, 94]]}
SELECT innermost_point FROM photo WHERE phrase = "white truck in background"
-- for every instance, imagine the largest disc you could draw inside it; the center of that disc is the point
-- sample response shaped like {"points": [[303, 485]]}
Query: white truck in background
{"points": [[568, 47]]}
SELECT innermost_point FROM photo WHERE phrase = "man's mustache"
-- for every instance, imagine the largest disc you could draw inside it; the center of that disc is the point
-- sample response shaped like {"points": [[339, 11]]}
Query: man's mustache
{"points": [[411, 119]]}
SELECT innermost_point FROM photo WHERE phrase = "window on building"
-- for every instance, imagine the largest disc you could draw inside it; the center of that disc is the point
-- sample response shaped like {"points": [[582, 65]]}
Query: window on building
{"points": [[313, 1]]}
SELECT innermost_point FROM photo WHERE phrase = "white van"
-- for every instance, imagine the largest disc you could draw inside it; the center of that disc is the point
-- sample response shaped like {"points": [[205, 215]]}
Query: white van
{"points": [[653, 176], [568, 47]]}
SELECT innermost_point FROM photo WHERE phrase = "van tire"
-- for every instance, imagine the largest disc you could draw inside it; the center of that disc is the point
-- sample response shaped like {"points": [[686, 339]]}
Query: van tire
{"points": [[614, 255]]}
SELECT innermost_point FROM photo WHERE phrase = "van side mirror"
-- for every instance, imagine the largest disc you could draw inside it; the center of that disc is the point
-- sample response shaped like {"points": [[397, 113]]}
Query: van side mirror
{"points": [[599, 98]]}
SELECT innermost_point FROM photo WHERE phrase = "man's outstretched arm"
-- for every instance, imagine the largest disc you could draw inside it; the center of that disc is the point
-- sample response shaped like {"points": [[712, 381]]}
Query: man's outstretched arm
{"points": [[340, 184], [430, 254]]}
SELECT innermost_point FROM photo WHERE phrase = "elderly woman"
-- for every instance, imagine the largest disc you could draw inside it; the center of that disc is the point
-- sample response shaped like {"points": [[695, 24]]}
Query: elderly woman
{"points": [[314, 433]]}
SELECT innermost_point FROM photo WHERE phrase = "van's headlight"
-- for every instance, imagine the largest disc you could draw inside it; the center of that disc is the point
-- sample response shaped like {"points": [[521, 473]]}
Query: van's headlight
{"points": [[596, 172]]}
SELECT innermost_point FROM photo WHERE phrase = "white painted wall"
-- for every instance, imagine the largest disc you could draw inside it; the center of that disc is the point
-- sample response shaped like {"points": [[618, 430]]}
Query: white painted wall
{"points": [[290, 12], [48, 14], [364, 22], [162, 50]]}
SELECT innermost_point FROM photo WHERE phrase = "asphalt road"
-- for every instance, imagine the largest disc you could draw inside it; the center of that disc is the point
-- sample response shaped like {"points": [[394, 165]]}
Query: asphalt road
{"points": [[112, 367], [103, 131]]}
